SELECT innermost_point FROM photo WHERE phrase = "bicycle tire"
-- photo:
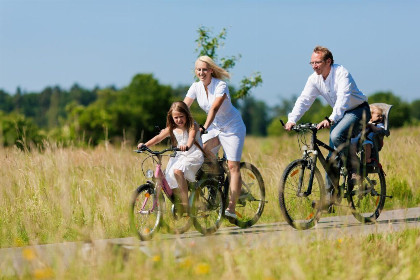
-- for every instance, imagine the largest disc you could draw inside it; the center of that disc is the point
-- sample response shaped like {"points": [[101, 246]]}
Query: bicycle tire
{"points": [[145, 213], [207, 206], [365, 200], [251, 201], [173, 221], [298, 209]]}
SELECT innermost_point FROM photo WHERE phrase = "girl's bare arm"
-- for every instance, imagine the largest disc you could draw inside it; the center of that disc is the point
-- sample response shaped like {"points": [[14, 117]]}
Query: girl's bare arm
{"points": [[157, 139]]}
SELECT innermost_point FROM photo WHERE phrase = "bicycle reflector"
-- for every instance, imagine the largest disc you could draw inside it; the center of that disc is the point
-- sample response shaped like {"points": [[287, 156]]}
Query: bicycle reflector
{"points": [[149, 173]]}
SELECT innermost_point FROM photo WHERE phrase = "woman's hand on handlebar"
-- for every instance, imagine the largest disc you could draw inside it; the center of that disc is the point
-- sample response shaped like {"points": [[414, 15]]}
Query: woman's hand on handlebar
{"points": [[202, 129]]}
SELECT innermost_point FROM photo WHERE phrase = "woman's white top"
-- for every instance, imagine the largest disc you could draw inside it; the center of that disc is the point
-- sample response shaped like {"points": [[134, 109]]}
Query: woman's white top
{"points": [[228, 117], [227, 125], [188, 162]]}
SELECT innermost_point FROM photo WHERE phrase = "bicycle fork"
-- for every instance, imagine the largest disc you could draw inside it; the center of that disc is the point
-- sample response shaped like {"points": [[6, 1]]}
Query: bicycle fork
{"points": [[312, 164]]}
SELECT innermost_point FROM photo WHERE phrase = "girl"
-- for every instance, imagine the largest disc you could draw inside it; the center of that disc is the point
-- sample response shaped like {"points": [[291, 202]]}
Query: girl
{"points": [[183, 131]]}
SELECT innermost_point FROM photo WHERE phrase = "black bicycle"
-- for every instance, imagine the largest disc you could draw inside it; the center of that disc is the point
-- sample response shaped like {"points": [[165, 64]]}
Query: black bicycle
{"points": [[302, 192], [210, 197]]}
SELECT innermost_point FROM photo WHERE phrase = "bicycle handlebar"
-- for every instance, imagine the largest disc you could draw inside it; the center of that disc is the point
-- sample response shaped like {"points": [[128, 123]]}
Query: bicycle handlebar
{"points": [[303, 126], [144, 148], [204, 130]]}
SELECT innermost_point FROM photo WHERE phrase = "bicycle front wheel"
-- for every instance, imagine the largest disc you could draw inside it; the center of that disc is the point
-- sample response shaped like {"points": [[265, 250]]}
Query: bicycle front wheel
{"points": [[207, 206], [145, 214], [368, 199], [297, 202], [251, 201], [175, 219]]}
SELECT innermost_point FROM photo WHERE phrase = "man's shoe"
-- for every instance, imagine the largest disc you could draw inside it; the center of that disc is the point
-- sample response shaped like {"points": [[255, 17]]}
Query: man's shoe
{"points": [[230, 215], [327, 204], [356, 179]]}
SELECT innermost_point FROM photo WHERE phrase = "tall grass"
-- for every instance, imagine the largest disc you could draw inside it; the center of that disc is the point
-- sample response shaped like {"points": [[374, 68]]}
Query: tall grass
{"points": [[376, 256], [68, 194]]}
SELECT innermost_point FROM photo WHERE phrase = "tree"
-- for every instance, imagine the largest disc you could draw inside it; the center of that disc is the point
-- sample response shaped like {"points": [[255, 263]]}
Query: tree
{"points": [[208, 45], [415, 109], [130, 113], [17, 130], [255, 116], [6, 103]]}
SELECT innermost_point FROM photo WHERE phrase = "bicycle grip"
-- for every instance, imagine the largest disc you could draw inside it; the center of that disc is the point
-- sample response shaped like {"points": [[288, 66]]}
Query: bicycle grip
{"points": [[204, 130]]}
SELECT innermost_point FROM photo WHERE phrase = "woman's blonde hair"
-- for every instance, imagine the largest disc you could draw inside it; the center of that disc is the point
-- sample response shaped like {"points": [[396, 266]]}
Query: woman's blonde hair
{"points": [[218, 72]]}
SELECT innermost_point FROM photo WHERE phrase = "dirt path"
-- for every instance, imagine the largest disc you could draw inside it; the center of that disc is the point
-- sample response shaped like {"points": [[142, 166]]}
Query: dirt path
{"points": [[14, 261]]}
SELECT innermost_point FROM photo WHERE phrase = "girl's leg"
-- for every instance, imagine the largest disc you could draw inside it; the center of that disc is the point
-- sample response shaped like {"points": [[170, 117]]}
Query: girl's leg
{"points": [[183, 188], [235, 184]]}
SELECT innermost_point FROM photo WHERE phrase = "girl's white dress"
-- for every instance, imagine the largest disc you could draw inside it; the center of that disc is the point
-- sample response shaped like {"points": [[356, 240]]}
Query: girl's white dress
{"points": [[189, 162]]}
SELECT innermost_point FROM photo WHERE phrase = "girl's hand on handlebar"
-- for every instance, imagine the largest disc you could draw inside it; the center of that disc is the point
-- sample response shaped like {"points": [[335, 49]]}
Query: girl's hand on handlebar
{"points": [[183, 148], [140, 145]]}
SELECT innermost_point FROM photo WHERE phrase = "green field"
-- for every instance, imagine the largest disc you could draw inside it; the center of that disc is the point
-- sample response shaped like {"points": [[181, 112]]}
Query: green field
{"points": [[73, 194]]}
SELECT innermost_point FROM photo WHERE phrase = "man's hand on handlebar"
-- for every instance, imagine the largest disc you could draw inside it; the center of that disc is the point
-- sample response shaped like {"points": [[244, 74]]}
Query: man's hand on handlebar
{"points": [[324, 124], [289, 125]]}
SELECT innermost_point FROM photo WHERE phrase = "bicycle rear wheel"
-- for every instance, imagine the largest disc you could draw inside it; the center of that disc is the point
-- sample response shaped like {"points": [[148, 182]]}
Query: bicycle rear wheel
{"points": [[145, 214], [207, 206], [251, 201], [296, 204], [368, 199]]}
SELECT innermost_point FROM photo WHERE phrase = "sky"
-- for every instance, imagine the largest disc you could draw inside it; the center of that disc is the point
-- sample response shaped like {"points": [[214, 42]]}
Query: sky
{"points": [[103, 42]]}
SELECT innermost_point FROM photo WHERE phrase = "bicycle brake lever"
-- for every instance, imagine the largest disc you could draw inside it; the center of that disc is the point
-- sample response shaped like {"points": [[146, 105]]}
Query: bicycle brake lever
{"points": [[282, 123]]}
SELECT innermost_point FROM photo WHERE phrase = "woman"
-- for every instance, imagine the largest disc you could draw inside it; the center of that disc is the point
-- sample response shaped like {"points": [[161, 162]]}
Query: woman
{"points": [[224, 122]]}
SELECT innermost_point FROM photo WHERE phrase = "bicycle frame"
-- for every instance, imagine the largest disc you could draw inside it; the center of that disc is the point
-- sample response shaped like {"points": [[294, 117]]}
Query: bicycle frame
{"points": [[160, 182], [316, 151]]}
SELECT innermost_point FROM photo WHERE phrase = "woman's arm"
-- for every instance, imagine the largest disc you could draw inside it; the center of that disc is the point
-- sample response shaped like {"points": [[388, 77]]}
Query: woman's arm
{"points": [[188, 101], [218, 101]]}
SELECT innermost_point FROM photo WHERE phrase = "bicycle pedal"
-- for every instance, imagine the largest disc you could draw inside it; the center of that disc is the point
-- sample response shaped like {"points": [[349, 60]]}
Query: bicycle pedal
{"points": [[331, 209]]}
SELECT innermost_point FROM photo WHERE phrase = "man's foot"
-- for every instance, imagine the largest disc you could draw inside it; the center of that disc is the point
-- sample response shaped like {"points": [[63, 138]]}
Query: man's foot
{"points": [[327, 204], [355, 180], [230, 215]]}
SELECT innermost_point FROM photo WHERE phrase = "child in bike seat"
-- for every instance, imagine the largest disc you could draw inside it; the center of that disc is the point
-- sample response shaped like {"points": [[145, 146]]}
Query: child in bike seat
{"points": [[374, 125], [184, 134]]}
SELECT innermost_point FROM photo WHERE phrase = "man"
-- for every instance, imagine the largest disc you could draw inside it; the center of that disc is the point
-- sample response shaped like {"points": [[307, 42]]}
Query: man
{"points": [[336, 85]]}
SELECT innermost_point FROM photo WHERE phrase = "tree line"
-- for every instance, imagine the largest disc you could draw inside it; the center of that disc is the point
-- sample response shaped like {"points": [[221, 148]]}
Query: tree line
{"points": [[81, 116]]}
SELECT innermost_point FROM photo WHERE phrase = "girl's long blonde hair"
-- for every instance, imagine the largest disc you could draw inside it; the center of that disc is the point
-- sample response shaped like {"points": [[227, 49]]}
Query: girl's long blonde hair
{"points": [[181, 107], [218, 72]]}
